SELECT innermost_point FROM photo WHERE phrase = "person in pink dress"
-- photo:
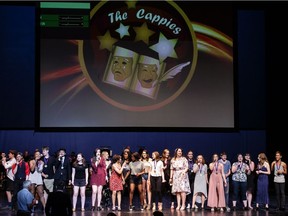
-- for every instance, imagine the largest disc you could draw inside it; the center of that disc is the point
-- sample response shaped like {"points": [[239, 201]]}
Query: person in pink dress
{"points": [[98, 178], [217, 181], [116, 181]]}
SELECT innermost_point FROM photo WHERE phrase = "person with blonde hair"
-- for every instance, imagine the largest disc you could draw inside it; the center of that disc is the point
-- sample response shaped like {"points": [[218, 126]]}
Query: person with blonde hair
{"points": [[263, 170]]}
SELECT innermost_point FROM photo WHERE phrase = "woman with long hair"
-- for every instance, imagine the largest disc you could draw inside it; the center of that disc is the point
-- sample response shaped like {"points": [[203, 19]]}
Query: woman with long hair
{"points": [[146, 160], [79, 180], [263, 170], [136, 171], [98, 178], [156, 178], [217, 180], [200, 183], [166, 189], [126, 159], [250, 180], [179, 178]]}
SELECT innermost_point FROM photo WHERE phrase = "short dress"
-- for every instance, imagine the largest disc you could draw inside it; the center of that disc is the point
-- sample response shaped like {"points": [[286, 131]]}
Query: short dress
{"points": [[98, 176], [180, 182], [115, 183]]}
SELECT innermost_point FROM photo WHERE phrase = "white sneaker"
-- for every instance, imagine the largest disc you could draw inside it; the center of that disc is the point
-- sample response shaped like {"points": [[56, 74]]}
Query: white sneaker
{"points": [[188, 206]]}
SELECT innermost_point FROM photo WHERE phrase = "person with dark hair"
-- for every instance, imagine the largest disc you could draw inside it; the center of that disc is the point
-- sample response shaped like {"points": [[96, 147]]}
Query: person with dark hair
{"points": [[146, 160], [279, 169], [8, 164], [97, 178], [191, 176], [116, 181], [36, 167], [263, 171], [227, 171], [136, 171], [25, 199], [21, 173], [126, 159], [156, 178], [217, 180], [166, 189], [179, 178], [79, 180], [250, 180], [158, 213], [62, 169], [59, 202], [240, 171]]}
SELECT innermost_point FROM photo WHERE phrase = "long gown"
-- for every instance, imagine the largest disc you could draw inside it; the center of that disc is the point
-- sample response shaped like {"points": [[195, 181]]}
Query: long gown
{"points": [[216, 195], [262, 196]]}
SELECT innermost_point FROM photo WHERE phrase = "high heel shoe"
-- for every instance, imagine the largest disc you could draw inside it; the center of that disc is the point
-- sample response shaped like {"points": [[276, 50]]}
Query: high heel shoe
{"points": [[178, 208], [93, 208]]}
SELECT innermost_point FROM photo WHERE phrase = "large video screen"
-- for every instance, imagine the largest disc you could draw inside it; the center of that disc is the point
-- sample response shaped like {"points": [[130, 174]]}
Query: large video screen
{"points": [[142, 64]]}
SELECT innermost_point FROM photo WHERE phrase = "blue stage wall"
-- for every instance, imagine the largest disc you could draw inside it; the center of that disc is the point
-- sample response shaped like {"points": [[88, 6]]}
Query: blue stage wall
{"points": [[205, 143]]}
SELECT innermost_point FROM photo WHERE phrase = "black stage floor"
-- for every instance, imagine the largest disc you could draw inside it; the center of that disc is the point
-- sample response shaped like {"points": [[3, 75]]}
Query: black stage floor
{"points": [[166, 209]]}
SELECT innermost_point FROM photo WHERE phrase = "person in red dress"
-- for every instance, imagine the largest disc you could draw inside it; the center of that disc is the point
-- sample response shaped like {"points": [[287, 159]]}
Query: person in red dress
{"points": [[98, 178], [116, 181]]}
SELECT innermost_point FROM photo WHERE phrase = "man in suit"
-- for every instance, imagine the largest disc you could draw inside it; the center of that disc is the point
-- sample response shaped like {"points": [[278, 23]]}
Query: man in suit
{"points": [[62, 169]]}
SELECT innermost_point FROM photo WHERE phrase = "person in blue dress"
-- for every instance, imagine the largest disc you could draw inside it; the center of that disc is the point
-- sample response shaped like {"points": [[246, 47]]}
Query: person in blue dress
{"points": [[263, 171]]}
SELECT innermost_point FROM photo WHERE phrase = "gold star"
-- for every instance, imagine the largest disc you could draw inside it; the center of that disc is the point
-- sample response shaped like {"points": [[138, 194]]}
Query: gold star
{"points": [[143, 33], [131, 3], [106, 41]]}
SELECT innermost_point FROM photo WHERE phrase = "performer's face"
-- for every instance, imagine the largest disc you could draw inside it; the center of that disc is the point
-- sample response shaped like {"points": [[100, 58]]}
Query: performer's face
{"points": [[147, 74], [121, 67]]}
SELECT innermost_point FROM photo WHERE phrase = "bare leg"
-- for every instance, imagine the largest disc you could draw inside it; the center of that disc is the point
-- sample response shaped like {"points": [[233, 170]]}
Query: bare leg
{"points": [[149, 193], [75, 196], [113, 198], [132, 188], [140, 189], [40, 192], [119, 198], [94, 193], [178, 196], [99, 195], [183, 198], [83, 197]]}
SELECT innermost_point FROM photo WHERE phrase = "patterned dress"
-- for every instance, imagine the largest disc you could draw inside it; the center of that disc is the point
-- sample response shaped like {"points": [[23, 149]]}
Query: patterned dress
{"points": [[180, 181], [115, 183]]}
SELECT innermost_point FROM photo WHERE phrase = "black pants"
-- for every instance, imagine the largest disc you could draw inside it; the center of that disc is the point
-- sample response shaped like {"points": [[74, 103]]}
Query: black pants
{"points": [[280, 194], [156, 184]]}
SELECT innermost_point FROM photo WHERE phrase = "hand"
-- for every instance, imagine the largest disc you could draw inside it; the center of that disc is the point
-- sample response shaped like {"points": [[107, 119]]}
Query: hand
{"points": [[69, 182]]}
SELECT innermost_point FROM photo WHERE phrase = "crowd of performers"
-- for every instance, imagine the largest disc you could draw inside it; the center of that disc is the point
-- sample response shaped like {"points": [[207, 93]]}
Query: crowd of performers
{"points": [[190, 181]]}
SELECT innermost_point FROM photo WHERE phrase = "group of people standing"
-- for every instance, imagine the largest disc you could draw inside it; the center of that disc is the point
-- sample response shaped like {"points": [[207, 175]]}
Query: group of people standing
{"points": [[188, 181]]}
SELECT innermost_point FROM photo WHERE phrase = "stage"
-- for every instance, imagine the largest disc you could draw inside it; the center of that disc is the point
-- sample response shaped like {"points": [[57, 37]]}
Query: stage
{"points": [[166, 209]]}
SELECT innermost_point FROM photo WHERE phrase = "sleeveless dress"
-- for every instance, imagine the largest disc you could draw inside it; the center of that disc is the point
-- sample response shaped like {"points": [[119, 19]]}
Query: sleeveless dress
{"points": [[200, 185], [216, 195], [115, 183], [262, 196]]}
